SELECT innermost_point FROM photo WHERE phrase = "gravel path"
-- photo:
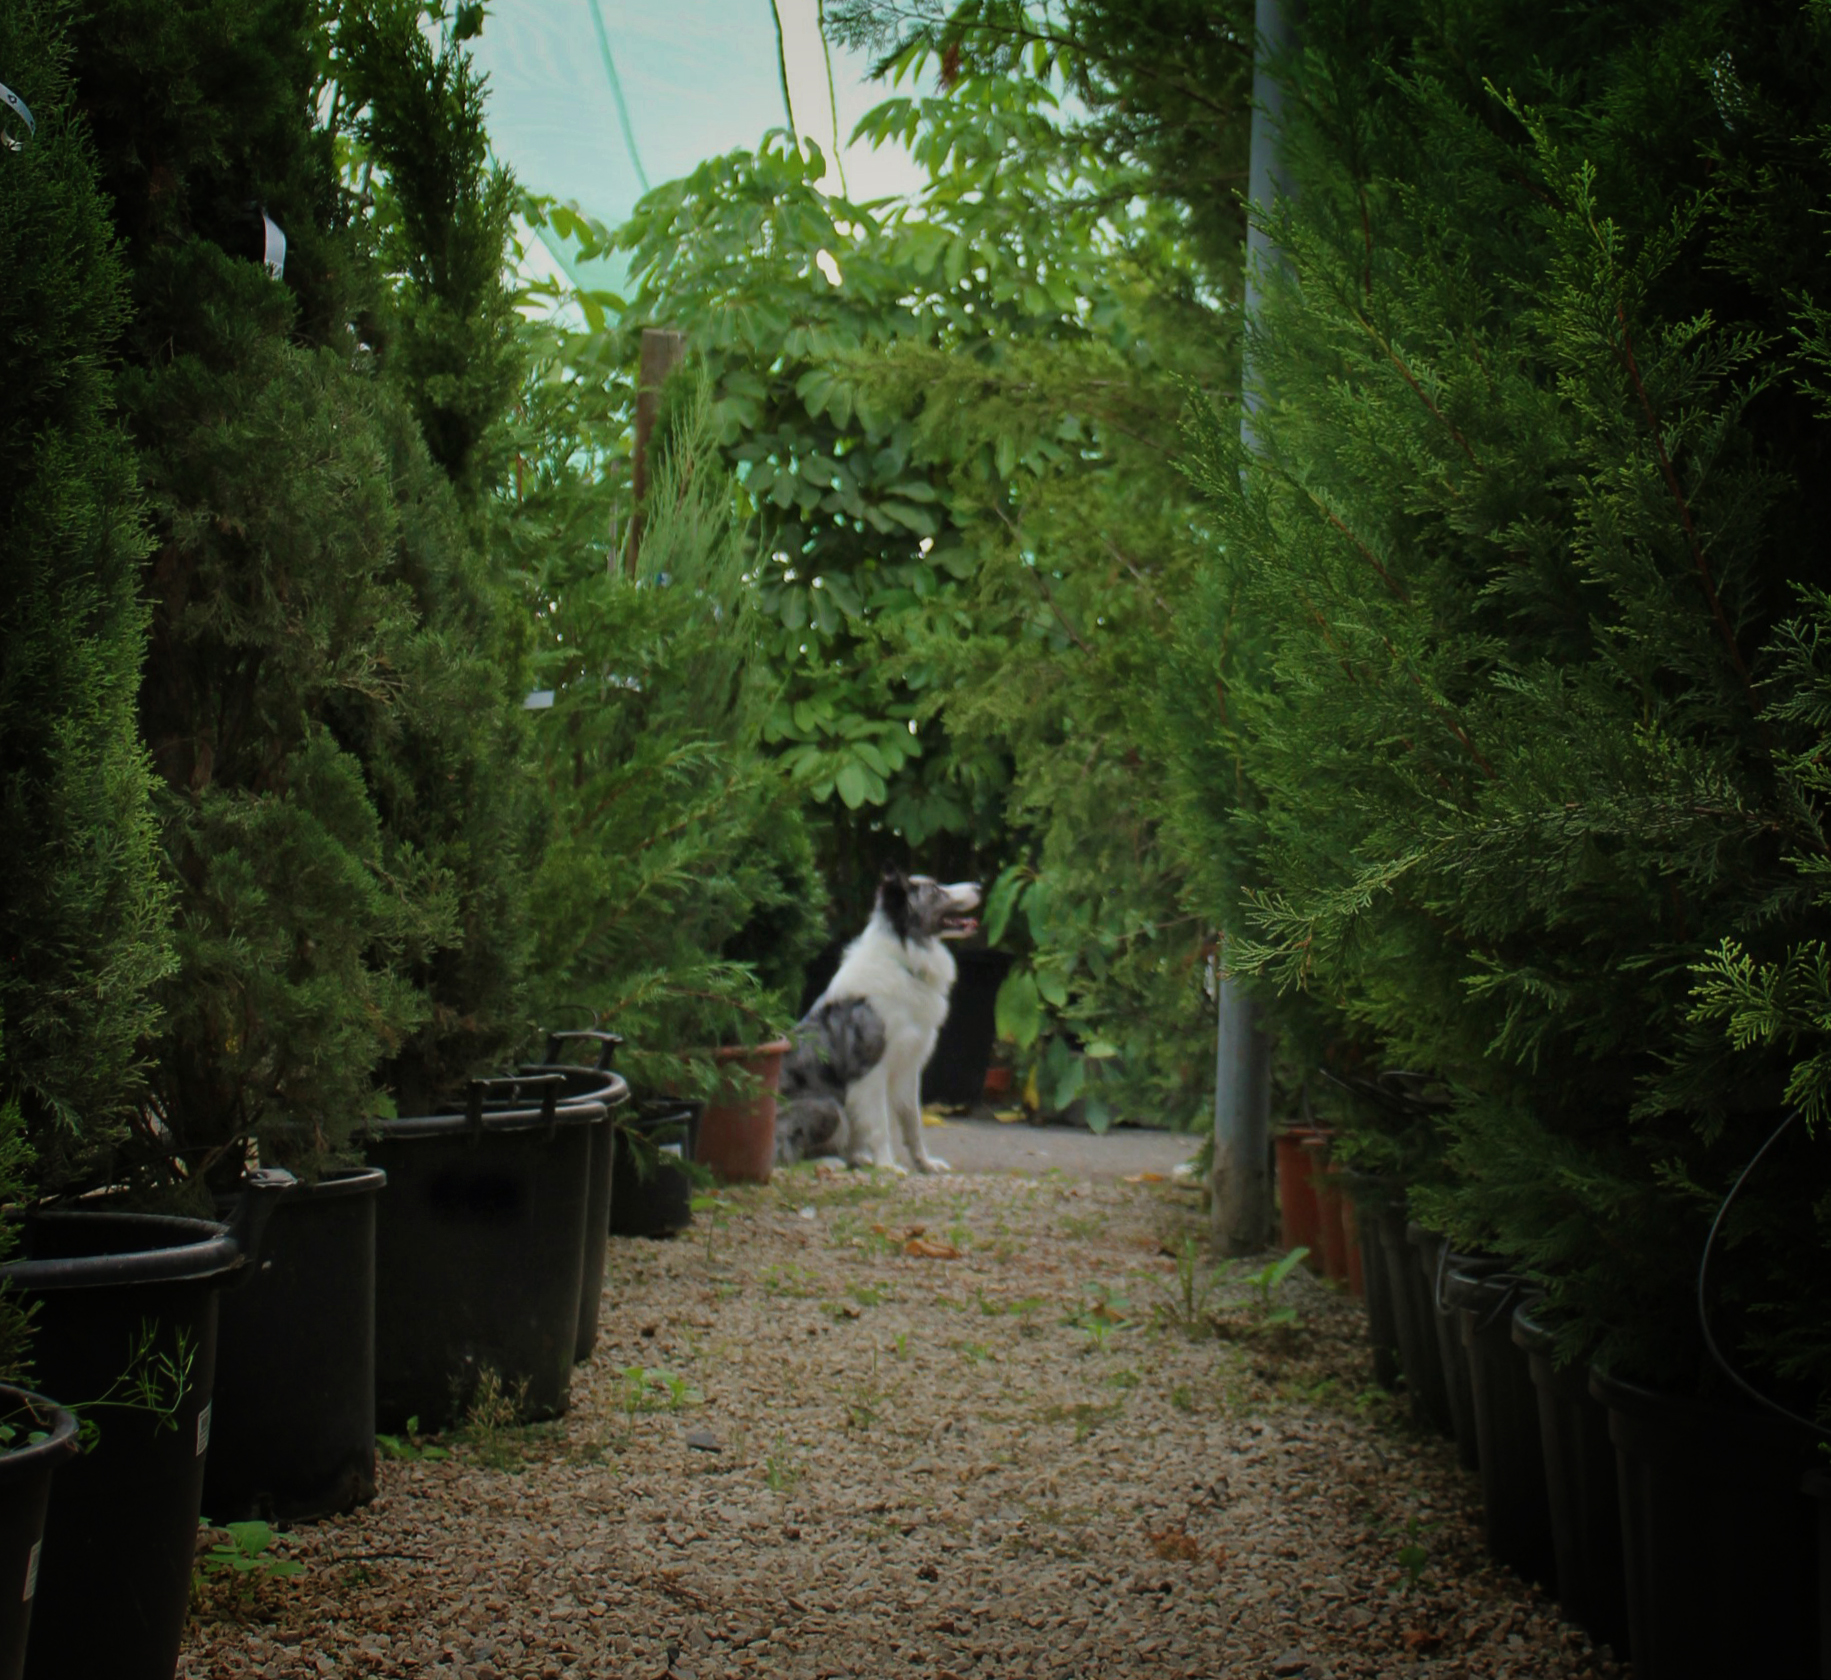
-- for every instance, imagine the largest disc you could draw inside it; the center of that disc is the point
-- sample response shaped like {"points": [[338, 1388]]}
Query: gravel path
{"points": [[876, 1428]]}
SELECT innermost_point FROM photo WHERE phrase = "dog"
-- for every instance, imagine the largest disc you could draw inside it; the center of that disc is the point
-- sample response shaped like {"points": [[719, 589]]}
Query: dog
{"points": [[859, 1053]]}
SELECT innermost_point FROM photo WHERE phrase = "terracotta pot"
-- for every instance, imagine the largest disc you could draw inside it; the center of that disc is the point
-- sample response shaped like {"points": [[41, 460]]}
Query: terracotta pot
{"points": [[1329, 1229], [997, 1081], [737, 1131], [1299, 1219]]}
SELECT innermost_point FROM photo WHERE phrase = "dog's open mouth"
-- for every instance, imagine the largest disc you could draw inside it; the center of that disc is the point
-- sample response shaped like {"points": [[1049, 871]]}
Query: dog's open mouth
{"points": [[959, 924]]}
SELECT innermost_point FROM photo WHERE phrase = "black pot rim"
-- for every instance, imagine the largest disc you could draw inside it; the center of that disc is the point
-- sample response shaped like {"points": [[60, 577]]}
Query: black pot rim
{"points": [[18, 1463], [337, 1183], [651, 1113], [612, 1093], [1531, 1333], [493, 1123], [195, 1249], [1636, 1400], [331, 1186]]}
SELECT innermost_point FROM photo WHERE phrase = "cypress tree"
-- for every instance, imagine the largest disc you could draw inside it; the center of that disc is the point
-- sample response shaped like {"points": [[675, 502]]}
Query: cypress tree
{"points": [[1538, 493], [321, 664], [83, 914]]}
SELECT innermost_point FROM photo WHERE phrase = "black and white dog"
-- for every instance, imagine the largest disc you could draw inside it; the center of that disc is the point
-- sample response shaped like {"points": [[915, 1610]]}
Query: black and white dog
{"points": [[859, 1054]]}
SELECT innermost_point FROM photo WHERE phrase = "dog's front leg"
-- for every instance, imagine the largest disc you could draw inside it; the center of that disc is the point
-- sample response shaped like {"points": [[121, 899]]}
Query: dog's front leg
{"points": [[868, 1109], [906, 1100]]}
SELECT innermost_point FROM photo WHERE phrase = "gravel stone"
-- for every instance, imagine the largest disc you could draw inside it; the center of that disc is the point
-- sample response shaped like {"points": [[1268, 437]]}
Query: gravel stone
{"points": [[1014, 1462]]}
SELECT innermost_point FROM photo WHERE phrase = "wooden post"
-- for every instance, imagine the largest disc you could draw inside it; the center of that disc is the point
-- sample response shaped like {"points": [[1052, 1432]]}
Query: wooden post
{"points": [[663, 350]]}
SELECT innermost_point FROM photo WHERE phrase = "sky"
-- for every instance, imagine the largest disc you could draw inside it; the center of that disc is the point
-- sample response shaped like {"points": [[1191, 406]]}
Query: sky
{"points": [[698, 78]]}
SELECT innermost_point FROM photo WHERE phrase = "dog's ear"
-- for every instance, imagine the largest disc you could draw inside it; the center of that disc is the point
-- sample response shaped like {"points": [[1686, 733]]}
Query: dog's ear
{"points": [[893, 899]]}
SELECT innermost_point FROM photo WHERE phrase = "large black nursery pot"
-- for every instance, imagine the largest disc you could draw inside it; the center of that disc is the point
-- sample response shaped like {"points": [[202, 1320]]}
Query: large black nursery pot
{"points": [[1817, 1487], [292, 1431], [1580, 1485], [1375, 1199], [594, 1082], [480, 1248], [1436, 1261], [651, 1194], [955, 1074], [127, 1313], [26, 1466], [1414, 1319], [1719, 1538], [1515, 1501]]}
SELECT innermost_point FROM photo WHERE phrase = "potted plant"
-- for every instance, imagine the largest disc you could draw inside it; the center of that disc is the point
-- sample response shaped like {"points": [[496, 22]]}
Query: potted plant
{"points": [[678, 897], [480, 1250], [1536, 797]]}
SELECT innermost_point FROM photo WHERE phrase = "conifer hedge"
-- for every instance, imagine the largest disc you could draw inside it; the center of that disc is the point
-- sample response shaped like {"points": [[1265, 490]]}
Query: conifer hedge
{"points": [[1519, 751], [82, 906], [329, 696]]}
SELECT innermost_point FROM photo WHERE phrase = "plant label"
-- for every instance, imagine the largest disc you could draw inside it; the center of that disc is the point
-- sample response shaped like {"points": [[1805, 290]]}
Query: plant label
{"points": [[203, 1430], [31, 1572]]}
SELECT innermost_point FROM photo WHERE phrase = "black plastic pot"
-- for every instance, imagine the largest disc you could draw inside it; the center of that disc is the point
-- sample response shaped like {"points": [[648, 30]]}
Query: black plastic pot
{"points": [[480, 1246], [597, 1084], [25, 1493], [1817, 1488], [292, 1431], [658, 1203], [1579, 1485], [1719, 1542], [116, 1294], [955, 1074], [1516, 1504], [1436, 1261], [1371, 1196], [1414, 1320]]}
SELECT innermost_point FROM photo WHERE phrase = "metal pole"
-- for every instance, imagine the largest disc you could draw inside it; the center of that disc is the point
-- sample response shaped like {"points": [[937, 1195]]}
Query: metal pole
{"points": [[1241, 1207]]}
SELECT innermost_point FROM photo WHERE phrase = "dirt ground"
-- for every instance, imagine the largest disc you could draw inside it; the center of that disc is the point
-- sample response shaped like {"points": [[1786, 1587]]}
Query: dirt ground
{"points": [[983, 1425]]}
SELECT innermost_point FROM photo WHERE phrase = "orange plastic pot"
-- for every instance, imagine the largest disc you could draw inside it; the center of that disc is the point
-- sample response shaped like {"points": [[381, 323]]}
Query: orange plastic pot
{"points": [[1330, 1232], [1299, 1219], [737, 1131]]}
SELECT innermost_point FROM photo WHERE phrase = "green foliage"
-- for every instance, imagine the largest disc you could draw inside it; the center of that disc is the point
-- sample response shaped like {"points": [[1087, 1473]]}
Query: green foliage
{"points": [[678, 898], [410, 1446], [247, 1551], [329, 698], [451, 776], [1502, 760], [1265, 1284], [83, 935], [954, 420]]}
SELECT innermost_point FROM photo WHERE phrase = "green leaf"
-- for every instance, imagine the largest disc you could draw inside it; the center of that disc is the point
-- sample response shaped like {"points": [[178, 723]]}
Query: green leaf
{"points": [[1019, 1009], [1099, 1113], [1001, 903], [1053, 987], [852, 784]]}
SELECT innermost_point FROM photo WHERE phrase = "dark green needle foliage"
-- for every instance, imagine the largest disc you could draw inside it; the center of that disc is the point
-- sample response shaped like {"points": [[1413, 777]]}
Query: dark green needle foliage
{"points": [[83, 934], [452, 782], [678, 899], [1518, 574], [323, 698]]}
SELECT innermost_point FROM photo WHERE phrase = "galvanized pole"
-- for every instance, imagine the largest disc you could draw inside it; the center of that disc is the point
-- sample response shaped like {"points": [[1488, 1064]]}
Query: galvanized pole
{"points": [[1242, 1202]]}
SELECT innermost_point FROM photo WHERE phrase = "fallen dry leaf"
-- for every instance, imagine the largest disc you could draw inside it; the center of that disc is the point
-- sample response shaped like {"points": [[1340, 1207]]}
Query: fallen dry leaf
{"points": [[923, 1249], [1144, 1178], [1421, 1641], [1176, 1543]]}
